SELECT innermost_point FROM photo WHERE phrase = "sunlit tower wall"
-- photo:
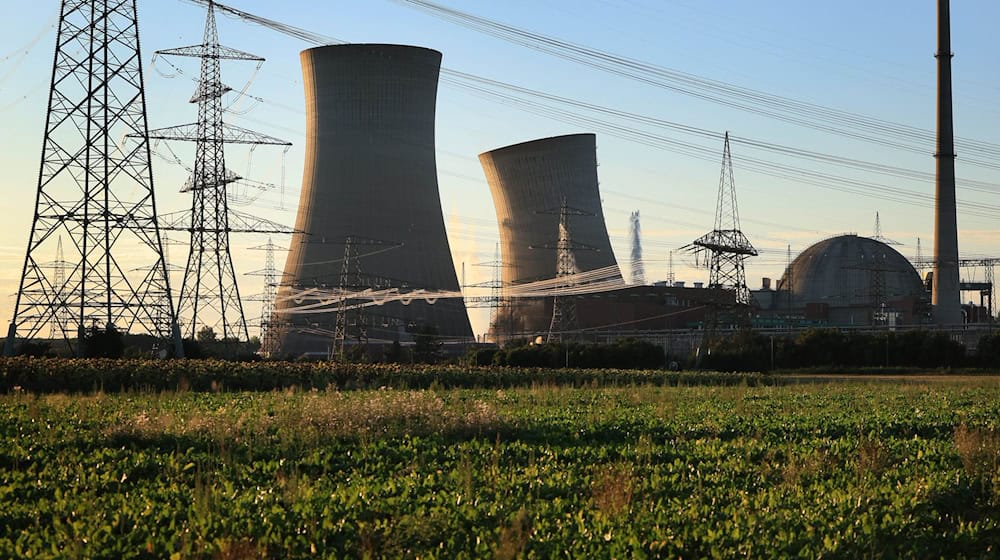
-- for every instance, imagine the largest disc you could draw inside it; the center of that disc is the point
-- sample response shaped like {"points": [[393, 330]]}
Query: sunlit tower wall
{"points": [[370, 174], [527, 181]]}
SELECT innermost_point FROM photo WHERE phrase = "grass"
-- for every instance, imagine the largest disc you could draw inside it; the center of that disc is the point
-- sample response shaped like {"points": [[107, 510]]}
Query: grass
{"points": [[837, 470]]}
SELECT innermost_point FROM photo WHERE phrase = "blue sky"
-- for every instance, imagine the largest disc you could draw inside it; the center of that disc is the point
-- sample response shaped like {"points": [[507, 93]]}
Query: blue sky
{"points": [[873, 58]]}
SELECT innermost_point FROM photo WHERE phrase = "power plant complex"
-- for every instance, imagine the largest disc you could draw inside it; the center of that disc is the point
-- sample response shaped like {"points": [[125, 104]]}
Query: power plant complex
{"points": [[369, 262]]}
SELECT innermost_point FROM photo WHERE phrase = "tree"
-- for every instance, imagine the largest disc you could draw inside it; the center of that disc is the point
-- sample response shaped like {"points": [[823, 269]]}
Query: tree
{"points": [[427, 347], [103, 343], [394, 355], [206, 334]]}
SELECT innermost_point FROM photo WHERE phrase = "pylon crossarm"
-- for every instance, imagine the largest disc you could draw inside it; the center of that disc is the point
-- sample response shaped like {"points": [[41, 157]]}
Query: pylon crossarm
{"points": [[214, 51], [231, 134]]}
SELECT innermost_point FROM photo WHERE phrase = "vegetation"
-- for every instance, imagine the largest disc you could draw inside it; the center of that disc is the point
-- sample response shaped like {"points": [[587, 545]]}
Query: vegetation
{"points": [[83, 376], [625, 354], [988, 351], [753, 351], [840, 471], [103, 343]]}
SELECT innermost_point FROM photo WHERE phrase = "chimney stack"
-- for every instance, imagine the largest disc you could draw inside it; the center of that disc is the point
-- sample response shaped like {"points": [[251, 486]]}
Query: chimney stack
{"points": [[945, 292]]}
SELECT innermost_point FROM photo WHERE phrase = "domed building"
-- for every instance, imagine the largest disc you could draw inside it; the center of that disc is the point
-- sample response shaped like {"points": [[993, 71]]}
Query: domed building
{"points": [[850, 280]]}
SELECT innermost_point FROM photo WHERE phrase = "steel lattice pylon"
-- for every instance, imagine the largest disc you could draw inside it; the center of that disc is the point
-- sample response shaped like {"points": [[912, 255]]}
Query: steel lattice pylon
{"points": [[269, 329], [209, 294], [564, 322], [499, 306], [350, 281], [96, 190], [726, 248], [62, 319]]}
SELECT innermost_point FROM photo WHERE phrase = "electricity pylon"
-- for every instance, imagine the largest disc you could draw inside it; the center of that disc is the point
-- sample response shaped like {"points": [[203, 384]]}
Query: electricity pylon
{"points": [[210, 295], [62, 315], [725, 249], [354, 290], [96, 190], [564, 305], [268, 329]]}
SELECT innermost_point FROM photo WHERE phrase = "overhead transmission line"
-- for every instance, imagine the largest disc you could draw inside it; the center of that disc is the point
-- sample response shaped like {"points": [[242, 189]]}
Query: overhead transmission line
{"points": [[543, 104], [765, 167], [810, 115]]}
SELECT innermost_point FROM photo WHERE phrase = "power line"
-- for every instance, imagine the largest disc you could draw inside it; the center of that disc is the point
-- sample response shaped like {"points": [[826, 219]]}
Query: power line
{"points": [[806, 114], [540, 103]]}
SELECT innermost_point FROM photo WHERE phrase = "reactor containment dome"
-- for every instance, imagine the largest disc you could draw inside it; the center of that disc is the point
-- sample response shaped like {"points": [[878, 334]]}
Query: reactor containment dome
{"points": [[853, 280]]}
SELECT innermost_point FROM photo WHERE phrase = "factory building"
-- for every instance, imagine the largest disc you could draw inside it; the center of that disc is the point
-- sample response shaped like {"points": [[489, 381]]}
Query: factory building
{"points": [[848, 280], [370, 181], [529, 182]]}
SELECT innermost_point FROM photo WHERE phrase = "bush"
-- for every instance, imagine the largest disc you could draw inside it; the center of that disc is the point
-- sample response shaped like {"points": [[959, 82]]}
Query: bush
{"points": [[750, 351], [427, 347], [36, 349], [623, 354], [744, 351], [57, 375], [988, 351], [103, 343]]}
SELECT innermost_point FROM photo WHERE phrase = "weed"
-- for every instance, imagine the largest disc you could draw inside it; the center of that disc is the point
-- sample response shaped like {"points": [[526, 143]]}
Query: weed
{"points": [[612, 489], [240, 550], [979, 450], [805, 466], [514, 537], [873, 457]]}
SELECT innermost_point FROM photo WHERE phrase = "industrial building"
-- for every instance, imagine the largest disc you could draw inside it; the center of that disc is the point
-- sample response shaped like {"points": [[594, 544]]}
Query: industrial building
{"points": [[370, 213], [529, 182]]}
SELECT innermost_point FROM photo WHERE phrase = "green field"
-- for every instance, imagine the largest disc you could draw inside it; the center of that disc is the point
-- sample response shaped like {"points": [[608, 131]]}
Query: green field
{"points": [[836, 470]]}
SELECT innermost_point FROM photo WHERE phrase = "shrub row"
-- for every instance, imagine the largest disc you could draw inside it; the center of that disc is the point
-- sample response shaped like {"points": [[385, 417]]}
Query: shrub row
{"points": [[751, 351], [627, 353], [59, 375]]}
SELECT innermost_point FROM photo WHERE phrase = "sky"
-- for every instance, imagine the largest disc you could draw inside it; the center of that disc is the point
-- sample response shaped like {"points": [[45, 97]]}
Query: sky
{"points": [[869, 58]]}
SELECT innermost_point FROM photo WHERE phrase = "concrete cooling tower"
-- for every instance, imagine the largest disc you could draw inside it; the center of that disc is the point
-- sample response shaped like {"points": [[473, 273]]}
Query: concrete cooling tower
{"points": [[528, 182], [370, 176]]}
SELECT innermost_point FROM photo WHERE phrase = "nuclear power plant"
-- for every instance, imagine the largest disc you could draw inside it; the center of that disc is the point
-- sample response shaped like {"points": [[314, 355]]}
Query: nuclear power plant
{"points": [[370, 260], [370, 214]]}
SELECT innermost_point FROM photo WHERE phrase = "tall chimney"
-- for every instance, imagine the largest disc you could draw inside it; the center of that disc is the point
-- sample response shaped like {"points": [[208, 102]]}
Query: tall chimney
{"points": [[945, 292]]}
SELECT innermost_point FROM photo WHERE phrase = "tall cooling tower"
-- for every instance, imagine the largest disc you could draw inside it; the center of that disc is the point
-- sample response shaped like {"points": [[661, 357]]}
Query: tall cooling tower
{"points": [[528, 182], [370, 176]]}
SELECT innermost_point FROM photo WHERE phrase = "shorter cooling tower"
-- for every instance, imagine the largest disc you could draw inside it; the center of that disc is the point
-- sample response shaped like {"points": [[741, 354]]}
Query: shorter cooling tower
{"points": [[370, 177], [529, 182]]}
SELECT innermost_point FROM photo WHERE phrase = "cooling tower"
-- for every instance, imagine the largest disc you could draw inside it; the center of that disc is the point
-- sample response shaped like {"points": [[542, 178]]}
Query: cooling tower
{"points": [[529, 182], [370, 176]]}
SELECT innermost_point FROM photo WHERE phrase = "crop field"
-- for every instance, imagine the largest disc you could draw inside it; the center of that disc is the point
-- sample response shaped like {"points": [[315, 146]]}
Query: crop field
{"points": [[835, 470]]}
